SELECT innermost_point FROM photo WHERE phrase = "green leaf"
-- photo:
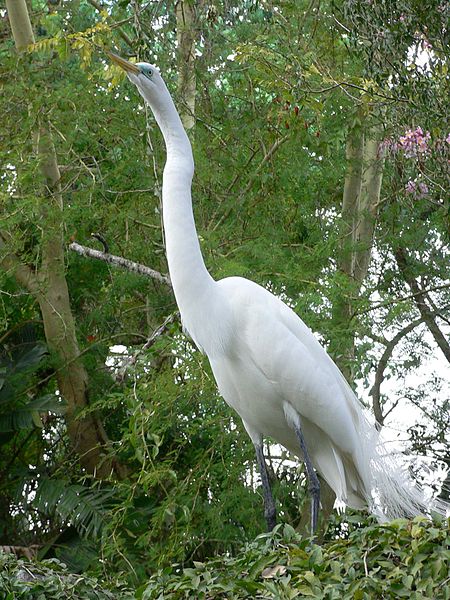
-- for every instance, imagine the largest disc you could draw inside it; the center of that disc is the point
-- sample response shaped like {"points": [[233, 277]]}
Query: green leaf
{"points": [[305, 590], [86, 508], [258, 566], [27, 415], [31, 359]]}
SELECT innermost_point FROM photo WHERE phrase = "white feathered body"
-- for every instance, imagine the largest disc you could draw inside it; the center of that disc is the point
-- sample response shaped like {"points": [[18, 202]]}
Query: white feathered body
{"points": [[270, 368], [268, 365], [270, 360]]}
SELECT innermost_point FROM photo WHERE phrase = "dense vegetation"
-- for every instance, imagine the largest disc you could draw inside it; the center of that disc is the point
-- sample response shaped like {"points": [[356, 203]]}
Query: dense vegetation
{"points": [[321, 147], [397, 560]]}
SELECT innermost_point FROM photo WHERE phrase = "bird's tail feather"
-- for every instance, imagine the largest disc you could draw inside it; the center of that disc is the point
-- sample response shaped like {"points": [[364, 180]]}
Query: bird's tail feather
{"points": [[392, 489], [397, 493]]}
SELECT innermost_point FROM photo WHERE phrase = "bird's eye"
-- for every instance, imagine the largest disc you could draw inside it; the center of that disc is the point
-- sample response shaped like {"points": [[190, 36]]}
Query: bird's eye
{"points": [[147, 72]]}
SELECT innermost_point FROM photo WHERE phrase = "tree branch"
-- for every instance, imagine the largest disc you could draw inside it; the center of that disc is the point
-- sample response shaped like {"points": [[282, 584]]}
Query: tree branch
{"points": [[122, 34], [10, 262], [119, 261], [148, 344], [241, 196], [419, 298], [401, 299], [379, 375]]}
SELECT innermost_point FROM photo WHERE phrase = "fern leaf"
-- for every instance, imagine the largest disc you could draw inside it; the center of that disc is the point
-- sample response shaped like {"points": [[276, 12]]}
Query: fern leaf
{"points": [[25, 416], [85, 508]]}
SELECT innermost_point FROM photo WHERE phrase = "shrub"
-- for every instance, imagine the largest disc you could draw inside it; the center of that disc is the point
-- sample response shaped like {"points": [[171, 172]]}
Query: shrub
{"points": [[50, 580], [401, 559]]}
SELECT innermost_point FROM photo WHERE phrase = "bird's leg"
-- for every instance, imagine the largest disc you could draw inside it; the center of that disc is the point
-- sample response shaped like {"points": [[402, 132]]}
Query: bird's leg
{"points": [[313, 480], [270, 512]]}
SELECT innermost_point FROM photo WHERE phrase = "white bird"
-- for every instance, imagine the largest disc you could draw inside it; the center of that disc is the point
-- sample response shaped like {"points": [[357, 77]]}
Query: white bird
{"points": [[267, 363]]}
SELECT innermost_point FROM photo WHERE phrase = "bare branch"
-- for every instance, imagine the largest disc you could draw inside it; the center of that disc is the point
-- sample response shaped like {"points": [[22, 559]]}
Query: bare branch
{"points": [[385, 303], [419, 298], [119, 261], [148, 344], [379, 375]]}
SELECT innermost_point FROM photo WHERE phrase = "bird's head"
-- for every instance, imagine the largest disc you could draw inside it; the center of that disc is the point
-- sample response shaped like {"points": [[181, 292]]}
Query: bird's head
{"points": [[146, 78]]}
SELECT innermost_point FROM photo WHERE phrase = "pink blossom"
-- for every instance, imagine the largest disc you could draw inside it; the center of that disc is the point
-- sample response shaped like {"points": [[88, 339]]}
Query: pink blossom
{"points": [[389, 145], [418, 190], [415, 142], [410, 187], [423, 189]]}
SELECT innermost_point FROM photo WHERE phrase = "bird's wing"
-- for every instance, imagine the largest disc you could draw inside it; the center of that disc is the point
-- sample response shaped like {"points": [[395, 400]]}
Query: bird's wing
{"points": [[286, 352]]}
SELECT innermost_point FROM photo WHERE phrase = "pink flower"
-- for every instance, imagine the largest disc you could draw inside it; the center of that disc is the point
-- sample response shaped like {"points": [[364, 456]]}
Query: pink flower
{"points": [[389, 145], [415, 142], [410, 187], [423, 190], [418, 190]]}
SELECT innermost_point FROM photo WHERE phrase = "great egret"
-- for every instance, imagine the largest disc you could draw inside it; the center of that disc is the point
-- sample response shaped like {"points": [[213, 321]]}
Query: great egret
{"points": [[267, 363]]}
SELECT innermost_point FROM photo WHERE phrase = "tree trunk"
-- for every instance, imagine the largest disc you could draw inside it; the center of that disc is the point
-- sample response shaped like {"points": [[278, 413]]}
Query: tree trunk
{"points": [[367, 212], [342, 341], [49, 286], [20, 23], [186, 34], [359, 214], [354, 155]]}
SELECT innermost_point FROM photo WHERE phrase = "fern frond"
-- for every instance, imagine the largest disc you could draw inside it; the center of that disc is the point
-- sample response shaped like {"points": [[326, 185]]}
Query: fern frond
{"points": [[85, 508], [16, 370], [24, 417]]}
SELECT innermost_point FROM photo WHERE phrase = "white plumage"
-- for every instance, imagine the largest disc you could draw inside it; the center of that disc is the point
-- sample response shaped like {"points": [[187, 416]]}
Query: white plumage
{"points": [[267, 363]]}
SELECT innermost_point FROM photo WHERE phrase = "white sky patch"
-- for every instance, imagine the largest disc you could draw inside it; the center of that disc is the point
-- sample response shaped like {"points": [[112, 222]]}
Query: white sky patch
{"points": [[406, 414], [159, 22], [119, 355], [420, 56], [9, 176]]}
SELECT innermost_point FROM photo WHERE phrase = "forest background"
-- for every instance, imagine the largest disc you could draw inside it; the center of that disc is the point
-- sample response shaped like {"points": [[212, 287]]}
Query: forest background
{"points": [[321, 147]]}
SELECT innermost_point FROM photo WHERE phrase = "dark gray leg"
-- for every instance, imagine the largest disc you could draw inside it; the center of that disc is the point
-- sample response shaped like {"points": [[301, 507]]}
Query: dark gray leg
{"points": [[313, 480], [270, 512]]}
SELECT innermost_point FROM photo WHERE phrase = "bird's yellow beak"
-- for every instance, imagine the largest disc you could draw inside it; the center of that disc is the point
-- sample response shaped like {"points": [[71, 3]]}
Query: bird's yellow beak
{"points": [[127, 66]]}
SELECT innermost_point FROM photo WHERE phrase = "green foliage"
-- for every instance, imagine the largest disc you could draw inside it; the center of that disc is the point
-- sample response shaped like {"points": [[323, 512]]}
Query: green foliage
{"points": [[183, 465], [398, 560], [279, 85], [18, 367], [402, 559], [86, 508], [50, 580]]}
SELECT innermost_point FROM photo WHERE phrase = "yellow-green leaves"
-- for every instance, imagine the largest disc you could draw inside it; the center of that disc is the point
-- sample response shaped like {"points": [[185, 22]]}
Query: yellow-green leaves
{"points": [[84, 43]]}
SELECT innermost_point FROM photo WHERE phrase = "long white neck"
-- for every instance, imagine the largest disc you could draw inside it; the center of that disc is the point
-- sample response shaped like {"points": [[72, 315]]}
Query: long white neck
{"points": [[194, 288]]}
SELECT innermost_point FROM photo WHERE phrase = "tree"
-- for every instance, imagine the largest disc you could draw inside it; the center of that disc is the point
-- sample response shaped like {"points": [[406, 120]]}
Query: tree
{"points": [[285, 94], [47, 283]]}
